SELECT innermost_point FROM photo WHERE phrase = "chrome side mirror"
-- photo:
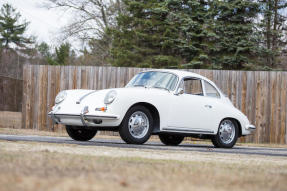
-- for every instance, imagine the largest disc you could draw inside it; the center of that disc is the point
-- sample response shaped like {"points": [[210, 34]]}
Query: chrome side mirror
{"points": [[179, 91]]}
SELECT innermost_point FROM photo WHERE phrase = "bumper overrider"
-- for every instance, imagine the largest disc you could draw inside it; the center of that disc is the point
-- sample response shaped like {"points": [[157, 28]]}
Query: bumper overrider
{"points": [[250, 127], [83, 118]]}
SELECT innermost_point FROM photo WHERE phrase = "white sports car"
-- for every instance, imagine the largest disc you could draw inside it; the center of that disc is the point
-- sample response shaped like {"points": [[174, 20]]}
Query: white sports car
{"points": [[170, 103]]}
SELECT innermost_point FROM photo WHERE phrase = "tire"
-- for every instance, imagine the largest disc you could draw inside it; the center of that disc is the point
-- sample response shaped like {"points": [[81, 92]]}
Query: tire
{"points": [[231, 137], [169, 139], [80, 134], [130, 130]]}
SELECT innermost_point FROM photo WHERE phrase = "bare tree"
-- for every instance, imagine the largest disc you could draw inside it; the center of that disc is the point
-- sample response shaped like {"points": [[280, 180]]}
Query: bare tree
{"points": [[91, 17], [91, 21]]}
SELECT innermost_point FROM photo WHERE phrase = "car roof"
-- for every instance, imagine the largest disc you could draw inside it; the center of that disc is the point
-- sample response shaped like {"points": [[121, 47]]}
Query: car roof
{"points": [[181, 73]]}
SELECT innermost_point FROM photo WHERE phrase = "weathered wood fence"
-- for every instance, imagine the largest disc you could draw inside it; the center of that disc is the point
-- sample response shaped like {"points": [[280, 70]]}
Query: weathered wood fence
{"points": [[10, 94], [260, 95]]}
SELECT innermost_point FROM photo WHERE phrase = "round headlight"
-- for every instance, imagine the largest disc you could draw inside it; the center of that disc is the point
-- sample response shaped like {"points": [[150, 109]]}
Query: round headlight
{"points": [[60, 97], [110, 97]]}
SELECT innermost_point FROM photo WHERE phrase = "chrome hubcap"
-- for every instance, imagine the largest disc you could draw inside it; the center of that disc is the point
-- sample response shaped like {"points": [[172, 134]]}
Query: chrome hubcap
{"points": [[227, 131], [138, 124]]}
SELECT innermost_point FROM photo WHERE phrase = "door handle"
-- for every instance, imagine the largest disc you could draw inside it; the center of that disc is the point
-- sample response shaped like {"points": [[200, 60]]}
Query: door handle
{"points": [[208, 106]]}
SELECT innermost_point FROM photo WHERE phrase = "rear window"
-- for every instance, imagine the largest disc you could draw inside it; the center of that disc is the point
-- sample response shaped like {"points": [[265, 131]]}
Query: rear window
{"points": [[210, 90]]}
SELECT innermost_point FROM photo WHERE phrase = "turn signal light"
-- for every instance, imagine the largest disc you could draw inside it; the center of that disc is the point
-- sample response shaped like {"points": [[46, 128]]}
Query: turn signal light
{"points": [[101, 109]]}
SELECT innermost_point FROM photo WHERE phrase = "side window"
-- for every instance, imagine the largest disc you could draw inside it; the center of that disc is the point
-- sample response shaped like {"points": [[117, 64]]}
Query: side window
{"points": [[210, 90], [192, 86]]}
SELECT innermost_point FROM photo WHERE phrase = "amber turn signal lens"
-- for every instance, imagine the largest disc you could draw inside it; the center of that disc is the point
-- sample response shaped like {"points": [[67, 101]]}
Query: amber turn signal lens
{"points": [[103, 109]]}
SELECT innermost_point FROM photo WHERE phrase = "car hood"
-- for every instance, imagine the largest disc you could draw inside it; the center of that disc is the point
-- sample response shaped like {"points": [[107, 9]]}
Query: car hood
{"points": [[96, 97]]}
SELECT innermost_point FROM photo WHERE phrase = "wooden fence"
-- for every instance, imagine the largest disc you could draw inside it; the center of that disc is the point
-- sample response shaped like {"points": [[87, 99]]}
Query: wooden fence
{"points": [[260, 95], [10, 94]]}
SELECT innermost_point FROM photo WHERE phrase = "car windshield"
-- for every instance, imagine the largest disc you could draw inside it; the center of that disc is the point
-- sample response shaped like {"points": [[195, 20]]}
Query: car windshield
{"points": [[154, 79]]}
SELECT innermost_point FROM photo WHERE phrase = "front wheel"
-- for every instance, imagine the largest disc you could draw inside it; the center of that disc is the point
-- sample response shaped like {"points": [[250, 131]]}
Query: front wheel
{"points": [[227, 134], [80, 134], [137, 125], [169, 139]]}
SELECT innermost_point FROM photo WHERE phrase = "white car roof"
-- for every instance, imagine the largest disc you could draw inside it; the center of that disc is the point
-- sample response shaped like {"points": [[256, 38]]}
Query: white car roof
{"points": [[182, 73]]}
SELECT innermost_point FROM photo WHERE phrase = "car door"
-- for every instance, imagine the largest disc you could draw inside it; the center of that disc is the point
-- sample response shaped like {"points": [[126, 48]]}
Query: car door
{"points": [[190, 111], [212, 100]]}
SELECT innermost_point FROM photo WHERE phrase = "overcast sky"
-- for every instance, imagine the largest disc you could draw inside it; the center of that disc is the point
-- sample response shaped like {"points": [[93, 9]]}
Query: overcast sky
{"points": [[44, 24]]}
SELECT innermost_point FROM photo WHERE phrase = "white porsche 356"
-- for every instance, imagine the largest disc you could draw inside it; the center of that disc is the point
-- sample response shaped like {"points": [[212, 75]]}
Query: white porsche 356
{"points": [[169, 103]]}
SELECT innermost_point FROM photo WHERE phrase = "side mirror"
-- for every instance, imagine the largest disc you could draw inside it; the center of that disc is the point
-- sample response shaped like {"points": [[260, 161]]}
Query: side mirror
{"points": [[179, 91]]}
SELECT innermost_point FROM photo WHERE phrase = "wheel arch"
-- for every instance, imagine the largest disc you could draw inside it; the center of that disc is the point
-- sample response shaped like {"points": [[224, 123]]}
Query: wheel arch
{"points": [[154, 113], [237, 123]]}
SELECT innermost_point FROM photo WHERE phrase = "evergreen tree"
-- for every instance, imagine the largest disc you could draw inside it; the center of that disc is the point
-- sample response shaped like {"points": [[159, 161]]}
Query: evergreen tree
{"points": [[273, 26], [11, 30], [163, 34], [144, 37], [190, 33], [45, 51], [237, 39], [63, 54]]}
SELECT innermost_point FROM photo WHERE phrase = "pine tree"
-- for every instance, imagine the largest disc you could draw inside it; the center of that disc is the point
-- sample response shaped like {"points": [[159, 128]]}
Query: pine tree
{"points": [[235, 30], [45, 51], [186, 34], [11, 30], [163, 34], [273, 26], [63, 54]]}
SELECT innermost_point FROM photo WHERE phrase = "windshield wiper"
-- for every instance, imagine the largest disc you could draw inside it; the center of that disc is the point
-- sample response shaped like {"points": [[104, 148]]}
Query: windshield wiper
{"points": [[138, 85]]}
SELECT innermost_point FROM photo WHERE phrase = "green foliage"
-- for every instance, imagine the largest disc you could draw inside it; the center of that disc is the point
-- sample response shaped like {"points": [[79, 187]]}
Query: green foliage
{"points": [[11, 30], [44, 50], [186, 34], [234, 27], [63, 54], [273, 31]]}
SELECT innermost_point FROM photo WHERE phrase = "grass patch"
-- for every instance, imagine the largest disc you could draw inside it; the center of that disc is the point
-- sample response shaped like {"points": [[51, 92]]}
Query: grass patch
{"points": [[43, 166]]}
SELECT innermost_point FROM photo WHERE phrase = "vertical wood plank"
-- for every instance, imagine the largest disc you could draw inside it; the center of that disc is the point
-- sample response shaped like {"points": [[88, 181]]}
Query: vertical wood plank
{"points": [[260, 95]]}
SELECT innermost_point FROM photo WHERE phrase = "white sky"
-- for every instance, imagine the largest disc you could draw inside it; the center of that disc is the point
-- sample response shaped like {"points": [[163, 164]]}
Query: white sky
{"points": [[44, 24]]}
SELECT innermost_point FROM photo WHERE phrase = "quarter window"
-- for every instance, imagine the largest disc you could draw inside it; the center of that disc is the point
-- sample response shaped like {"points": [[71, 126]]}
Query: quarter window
{"points": [[210, 90], [192, 86]]}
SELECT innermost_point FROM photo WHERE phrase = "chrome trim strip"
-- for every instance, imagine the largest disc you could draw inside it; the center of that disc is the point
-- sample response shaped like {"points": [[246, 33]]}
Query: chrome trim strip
{"points": [[84, 96], [82, 119], [54, 118], [250, 127], [85, 116], [187, 130]]}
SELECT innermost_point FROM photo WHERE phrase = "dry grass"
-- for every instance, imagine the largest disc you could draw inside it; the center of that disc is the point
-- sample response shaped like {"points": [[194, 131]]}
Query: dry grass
{"points": [[10, 119], [43, 166], [11, 131]]}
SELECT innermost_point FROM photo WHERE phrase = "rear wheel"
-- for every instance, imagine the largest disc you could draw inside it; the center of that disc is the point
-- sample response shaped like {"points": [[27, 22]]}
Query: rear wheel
{"points": [[137, 125], [80, 134], [227, 134], [169, 139]]}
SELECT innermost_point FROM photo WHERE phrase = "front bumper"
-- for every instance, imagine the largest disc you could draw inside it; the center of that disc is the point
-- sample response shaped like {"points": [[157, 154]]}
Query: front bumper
{"points": [[84, 119], [250, 127]]}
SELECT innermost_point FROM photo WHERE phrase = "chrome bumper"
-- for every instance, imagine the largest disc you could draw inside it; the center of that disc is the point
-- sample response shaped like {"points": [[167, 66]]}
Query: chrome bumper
{"points": [[85, 119], [250, 127]]}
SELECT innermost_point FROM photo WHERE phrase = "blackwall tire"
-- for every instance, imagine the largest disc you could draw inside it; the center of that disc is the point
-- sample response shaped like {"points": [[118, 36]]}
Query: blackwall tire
{"points": [[137, 125], [169, 139], [227, 134], [80, 134]]}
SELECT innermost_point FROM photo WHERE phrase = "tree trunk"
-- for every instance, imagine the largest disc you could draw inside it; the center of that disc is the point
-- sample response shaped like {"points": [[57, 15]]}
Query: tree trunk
{"points": [[275, 33], [268, 29]]}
